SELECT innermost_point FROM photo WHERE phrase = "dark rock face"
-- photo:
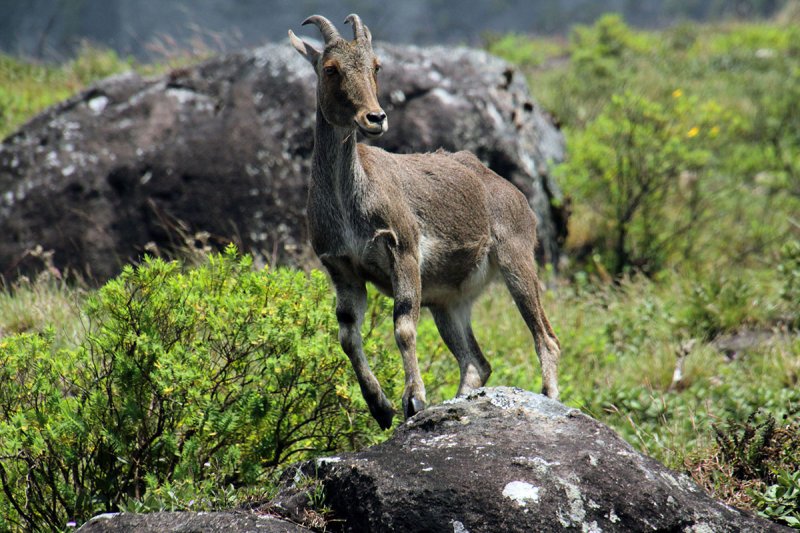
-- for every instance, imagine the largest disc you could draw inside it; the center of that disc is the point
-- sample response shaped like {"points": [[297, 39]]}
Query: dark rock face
{"points": [[224, 147], [189, 522], [500, 460], [509, 460]]}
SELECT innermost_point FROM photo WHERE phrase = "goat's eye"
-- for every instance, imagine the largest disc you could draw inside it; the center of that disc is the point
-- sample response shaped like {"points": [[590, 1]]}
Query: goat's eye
{"points": [[329, 70], [377, 68]]}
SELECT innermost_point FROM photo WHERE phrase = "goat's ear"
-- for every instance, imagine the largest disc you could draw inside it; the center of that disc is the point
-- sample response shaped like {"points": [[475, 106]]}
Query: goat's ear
{"points": [[305, 49], [368, 34]]}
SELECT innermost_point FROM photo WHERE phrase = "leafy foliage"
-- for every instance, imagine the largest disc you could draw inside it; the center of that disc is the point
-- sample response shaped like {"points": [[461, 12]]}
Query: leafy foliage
{"points": [[755, 448], [205, 381], [781, 502], [789, 270], [521, 50], [638, 165], [27, 88], [718, 304], [754, 463], [722, 101], [598, 50]]}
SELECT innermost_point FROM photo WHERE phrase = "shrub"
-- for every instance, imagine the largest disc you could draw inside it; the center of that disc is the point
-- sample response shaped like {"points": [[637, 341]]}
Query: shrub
{"points": [[521, 50], [597, 48], [205, 379], [716, 304], [789, 270], [628, 166], [93, 63], [601, 63], [775, 120]]}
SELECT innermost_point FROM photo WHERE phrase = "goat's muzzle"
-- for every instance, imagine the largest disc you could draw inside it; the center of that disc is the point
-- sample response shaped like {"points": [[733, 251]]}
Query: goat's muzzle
{"points": [[372, 124]]}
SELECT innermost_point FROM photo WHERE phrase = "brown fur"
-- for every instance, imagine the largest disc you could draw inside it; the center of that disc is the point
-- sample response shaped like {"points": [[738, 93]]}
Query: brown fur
{"points": [[426, 229]]}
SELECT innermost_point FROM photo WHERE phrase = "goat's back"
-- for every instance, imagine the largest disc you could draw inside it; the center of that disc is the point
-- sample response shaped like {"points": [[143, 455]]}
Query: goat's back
{"points": [[453, 195]]}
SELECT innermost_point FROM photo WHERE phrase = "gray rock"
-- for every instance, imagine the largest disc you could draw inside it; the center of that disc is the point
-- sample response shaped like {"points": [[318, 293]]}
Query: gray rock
{"points": [[508, 460], [500, 460], [224, 147], [189, 522]]}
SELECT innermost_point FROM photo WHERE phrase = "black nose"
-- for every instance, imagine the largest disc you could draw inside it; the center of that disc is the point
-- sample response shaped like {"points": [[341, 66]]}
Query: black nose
{"points": [[376, 117]]}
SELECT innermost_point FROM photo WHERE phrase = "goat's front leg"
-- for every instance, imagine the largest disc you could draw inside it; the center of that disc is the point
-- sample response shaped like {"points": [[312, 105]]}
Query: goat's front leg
{"points": [[351, 305], [407, 289]]}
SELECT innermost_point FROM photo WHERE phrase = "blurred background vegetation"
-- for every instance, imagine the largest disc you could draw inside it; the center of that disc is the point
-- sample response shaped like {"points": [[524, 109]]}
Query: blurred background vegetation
{"points": [[678, 311]]}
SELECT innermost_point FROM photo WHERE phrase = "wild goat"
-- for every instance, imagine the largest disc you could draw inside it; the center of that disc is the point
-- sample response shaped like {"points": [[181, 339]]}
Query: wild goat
{"points": [[426, 229]]}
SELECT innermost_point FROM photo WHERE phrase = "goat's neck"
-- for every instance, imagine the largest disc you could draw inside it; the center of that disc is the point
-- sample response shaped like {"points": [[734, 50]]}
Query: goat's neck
{"points": [[336, 166]]}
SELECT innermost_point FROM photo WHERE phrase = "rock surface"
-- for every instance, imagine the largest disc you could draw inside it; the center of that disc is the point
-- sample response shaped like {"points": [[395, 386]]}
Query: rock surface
{"points": [[501, 460], [506, 460], [189, 523], [224, 147]]}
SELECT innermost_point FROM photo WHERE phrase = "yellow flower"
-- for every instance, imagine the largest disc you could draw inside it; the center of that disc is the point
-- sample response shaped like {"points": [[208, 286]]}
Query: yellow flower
{"points": [[692, 132], [715, 130], [677, 93]]}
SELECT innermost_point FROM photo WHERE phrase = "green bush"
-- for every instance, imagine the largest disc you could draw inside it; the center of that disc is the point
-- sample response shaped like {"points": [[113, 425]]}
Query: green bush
{"points": [[598, 49], [638, 166], [774, 124], [717, 304], [789, 270], [207, 380], [92, 64], [521, 50], [602, 62], [733, 87]]}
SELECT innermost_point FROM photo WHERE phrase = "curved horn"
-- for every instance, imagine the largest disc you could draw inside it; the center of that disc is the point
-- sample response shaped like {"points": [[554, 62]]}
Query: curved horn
{"points": [[358, 26], [329, 32]]}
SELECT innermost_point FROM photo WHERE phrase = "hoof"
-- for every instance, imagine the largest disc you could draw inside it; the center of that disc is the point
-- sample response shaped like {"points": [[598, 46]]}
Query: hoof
{"points": [[384, 419], [383, 413], [553, 394], [412, 406]]}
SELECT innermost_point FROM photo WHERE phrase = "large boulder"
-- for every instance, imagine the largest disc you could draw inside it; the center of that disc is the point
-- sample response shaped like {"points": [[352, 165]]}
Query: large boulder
{"points": [[507, 460], [500, 460], [224, 147]]}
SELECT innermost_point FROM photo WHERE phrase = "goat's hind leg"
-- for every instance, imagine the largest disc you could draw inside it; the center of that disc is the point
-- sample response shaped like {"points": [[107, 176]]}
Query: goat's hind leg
{"points": [[456, 330], [350, 309], [519, 272]]}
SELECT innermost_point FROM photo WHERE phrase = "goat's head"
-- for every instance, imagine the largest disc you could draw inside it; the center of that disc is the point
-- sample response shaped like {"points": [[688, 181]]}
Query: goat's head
{"points": [[347, 72]]}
